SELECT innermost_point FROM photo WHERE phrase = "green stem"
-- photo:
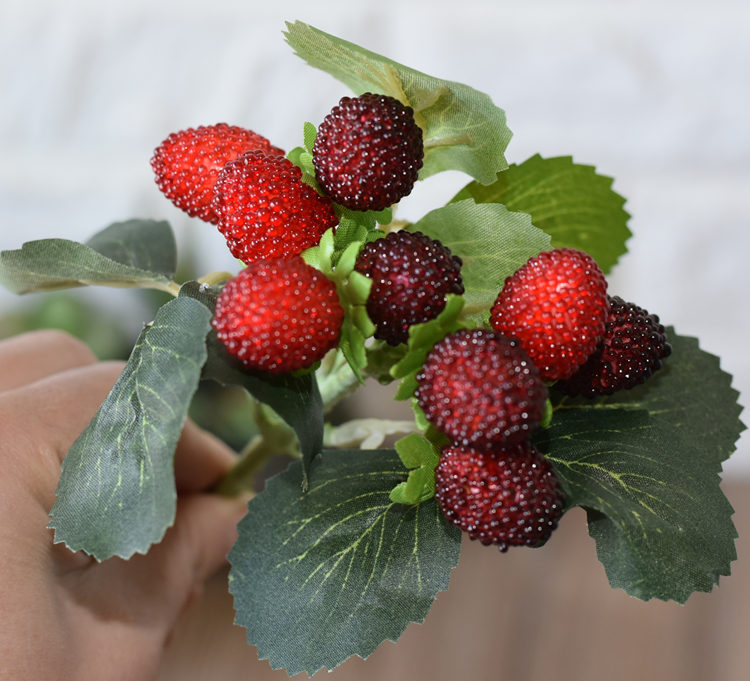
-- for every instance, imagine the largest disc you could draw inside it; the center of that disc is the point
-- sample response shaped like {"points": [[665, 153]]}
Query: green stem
{"points": [[215, 278], [335, 379], [276, 438], [241, 478]]}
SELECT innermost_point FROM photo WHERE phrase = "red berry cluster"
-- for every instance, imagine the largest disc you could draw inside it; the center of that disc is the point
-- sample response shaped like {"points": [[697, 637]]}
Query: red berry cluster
{"points": [[486, 390], [279, 315]]}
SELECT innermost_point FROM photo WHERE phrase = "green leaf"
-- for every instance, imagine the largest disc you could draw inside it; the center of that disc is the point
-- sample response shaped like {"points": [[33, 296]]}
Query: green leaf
{"points": [[111, 258], [418, 454], [295, 398], [146, 244], [116, 494], [422, 338], [492, 242], [571, 202], [645, 464], [463, 129], [309, 135], [322, 576]]}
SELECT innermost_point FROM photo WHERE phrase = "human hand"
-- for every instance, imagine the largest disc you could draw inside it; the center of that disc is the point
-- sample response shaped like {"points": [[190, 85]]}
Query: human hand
{"points": [[64, 615]]}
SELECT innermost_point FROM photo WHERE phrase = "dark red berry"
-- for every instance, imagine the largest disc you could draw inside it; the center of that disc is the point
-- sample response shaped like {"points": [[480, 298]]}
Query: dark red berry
{"points": [[633, 346], [481, 389], [411, 276], [265, 209], [368, 152], [507, 497], [187, 163], [278, 315], [556, 305]]}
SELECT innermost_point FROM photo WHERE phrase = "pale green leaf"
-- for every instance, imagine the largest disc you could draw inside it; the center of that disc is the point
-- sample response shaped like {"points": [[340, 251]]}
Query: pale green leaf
{"points": [[575, 205], [492, 242], [463, 129], [49, 264]]}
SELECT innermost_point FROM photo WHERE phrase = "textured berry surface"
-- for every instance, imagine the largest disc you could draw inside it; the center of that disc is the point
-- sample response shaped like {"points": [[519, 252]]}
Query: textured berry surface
{"points": [[187, 163], [278, 315], [368, 152], [633, 346], [411, 275], [265, 209], [556, 305], [481, 389], [507, 497]]}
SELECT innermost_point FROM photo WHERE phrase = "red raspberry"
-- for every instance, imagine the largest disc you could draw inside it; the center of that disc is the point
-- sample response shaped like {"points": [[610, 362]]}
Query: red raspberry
{"points": [[481, 389], [278, 315], [411, 275], [556, 305], [187, 164], [368, 152], [265, 209], [633, 346], [508, 497]]}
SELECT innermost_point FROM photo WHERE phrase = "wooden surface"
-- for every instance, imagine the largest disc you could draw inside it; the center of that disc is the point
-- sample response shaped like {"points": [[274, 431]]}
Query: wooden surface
{"points": [[527, 615]]}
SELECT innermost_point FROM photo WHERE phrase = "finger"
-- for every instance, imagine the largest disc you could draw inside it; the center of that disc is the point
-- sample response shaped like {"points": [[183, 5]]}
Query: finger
{"points": [[201, 460], [56, 409], [205, 530], [31, 356], [153, 589]]}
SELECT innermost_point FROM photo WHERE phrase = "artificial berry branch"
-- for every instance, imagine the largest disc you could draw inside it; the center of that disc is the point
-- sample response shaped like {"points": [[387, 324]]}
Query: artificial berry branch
{"points": [[491, 315]]}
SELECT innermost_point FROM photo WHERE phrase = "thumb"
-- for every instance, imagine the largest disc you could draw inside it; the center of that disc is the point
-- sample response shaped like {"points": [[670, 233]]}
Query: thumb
{"points": [[204, 531]]}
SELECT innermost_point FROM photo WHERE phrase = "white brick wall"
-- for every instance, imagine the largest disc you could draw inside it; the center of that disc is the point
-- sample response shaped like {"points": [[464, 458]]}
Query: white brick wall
{"points": [[653, 93]]}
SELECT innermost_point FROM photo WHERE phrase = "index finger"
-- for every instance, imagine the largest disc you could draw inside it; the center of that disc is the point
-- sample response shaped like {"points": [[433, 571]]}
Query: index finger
{"points": [[31, 356]]}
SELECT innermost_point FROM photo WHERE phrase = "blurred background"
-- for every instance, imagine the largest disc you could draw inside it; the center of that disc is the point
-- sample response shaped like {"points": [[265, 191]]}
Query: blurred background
{"points": [[654, 93]]}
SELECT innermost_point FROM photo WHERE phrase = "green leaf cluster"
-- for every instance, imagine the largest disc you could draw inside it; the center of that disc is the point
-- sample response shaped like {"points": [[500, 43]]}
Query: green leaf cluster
{"points": [[353, 290]]}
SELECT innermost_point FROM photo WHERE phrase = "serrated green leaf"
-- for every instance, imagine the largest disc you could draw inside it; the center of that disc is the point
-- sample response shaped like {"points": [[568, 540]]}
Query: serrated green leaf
{"points": [[116, 494], [145, 244], [571, 202], [51, 264], [645, 464], [322, 576], [463, 129], [295, 398], [492, 242]]}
